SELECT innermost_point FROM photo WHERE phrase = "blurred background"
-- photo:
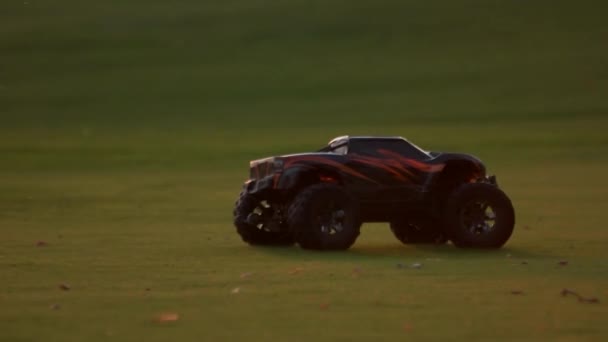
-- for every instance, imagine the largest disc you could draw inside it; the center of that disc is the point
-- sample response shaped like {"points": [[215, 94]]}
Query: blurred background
{"points": [[258, 64], [232, 77]]}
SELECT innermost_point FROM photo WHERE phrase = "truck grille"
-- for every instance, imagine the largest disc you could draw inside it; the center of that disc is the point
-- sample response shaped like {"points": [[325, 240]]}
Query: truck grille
{"points": [[259, 169]]}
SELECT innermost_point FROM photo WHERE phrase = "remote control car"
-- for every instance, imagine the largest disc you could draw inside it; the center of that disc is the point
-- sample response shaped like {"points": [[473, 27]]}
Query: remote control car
{"points": [[319, 200]]}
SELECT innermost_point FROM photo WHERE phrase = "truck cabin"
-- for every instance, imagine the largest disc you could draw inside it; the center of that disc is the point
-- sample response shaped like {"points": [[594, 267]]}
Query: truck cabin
{"points": [[370, 146]]}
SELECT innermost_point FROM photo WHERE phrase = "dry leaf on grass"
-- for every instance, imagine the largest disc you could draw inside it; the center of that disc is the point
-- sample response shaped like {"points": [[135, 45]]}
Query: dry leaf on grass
{"points": [[167, 317], [590, 300], [296, 270]]}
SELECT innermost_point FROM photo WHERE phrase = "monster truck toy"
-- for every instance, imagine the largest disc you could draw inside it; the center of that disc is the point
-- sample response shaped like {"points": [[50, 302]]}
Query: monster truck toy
{"points": [[319, 200]]}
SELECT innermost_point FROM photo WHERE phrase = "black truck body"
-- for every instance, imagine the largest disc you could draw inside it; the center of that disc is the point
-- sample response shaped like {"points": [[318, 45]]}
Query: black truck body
{"points": [[387, 179]]}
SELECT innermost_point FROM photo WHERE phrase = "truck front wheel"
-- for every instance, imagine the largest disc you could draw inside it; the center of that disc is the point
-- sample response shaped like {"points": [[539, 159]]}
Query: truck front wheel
{"points": [[256, 222], [324, 217]]}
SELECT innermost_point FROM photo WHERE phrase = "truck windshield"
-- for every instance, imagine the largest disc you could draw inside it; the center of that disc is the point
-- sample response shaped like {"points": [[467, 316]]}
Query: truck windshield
{"points": [[373, 146], [339, 149]]}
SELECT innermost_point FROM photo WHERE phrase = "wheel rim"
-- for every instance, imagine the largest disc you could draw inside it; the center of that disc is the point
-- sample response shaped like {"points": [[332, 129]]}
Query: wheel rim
{"points": [[478, 217], [261, 215], [331, 219]]}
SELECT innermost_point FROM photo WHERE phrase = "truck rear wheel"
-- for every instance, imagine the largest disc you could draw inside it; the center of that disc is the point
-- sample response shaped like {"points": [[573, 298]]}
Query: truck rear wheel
{"points": [[479, 215], [253, 220], [324, 217]]}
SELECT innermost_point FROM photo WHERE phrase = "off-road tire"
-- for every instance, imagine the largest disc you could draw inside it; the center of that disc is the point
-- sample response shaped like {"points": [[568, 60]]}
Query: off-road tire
{"points": [[324, 217], [468, 200], [252, 234], [418, 230]]}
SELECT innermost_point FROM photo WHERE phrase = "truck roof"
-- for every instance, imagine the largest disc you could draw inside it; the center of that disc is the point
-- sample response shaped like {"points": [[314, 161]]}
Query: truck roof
{"points": [[346, 138]]}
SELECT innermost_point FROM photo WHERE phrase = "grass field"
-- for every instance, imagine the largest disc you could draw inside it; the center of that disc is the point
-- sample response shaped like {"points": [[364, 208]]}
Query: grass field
{"points": [[126, 128]]}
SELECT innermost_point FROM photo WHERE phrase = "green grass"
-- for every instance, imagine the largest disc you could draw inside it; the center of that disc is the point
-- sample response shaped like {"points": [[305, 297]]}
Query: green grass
{"points": [[126, 128]]}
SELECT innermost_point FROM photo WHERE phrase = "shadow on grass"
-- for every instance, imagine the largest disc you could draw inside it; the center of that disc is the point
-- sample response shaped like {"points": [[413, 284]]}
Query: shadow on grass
{"points": [[398, 252]]}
